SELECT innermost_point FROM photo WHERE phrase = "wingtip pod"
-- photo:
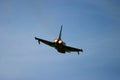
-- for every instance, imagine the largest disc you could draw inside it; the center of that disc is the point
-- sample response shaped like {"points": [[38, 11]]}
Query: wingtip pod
{"points": [[81, 50], [37, 39]]}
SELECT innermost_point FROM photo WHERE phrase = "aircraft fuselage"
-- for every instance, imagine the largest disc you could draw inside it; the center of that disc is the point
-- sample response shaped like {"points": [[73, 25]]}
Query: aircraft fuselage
{"points": [[60, 47]]}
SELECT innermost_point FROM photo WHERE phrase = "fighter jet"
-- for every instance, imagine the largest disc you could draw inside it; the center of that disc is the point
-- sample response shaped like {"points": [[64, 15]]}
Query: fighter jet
{"points": [[59, 45]]}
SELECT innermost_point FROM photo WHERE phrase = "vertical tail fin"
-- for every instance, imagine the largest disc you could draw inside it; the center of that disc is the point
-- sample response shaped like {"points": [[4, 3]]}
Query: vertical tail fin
{"points": [[60, 33]]}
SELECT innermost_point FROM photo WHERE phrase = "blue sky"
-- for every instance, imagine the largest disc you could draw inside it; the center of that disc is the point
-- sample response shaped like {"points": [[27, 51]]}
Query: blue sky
{"points": [[93, 25]]}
